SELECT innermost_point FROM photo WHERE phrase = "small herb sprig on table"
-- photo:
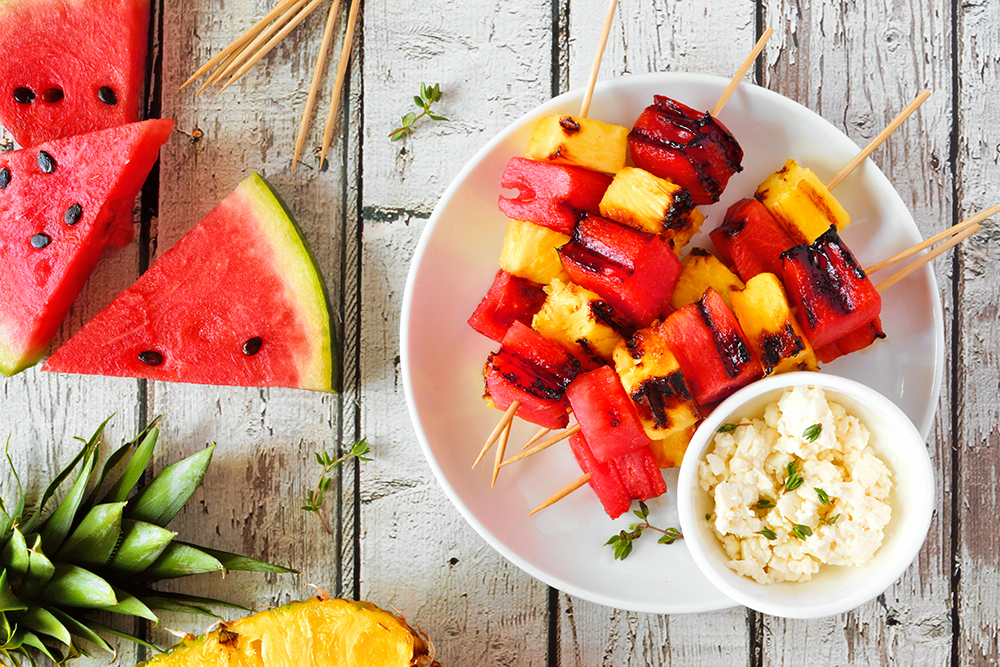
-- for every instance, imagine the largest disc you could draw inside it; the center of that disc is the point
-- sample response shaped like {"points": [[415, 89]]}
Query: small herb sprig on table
{"points": [[428, 96], [314, 501], [622, 542]]}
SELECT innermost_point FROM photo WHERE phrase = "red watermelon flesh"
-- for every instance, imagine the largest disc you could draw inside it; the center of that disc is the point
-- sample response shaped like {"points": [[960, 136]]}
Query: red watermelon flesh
{"points": [[237, 301], [70, 66], [87, 179]]}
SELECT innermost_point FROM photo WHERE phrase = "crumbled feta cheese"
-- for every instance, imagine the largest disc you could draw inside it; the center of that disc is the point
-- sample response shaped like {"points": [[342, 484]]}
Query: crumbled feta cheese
{"points": [[746, 475]]}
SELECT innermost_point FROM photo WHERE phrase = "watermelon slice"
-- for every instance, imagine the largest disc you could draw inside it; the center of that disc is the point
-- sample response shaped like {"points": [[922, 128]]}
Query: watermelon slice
{"points": [[237, 301], [70, 66], [58, 207]]}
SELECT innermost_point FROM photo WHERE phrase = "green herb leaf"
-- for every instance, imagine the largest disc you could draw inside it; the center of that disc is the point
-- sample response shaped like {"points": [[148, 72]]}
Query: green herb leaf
{"points": [[794, 479], [429, 95], [314, 500], [708, 517], [726, 428], [670, 535], [801, 531], [811, 433], [830, 520], [821, 495], [768, 533], [763, 504]]}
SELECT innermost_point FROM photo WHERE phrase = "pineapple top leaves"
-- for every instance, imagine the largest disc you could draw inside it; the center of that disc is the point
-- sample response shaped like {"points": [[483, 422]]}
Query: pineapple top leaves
{"points": [[98, 552]]}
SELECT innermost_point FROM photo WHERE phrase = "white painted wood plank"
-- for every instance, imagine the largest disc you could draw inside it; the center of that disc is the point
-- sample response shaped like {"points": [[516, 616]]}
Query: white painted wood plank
{"points": [[858, 66]]}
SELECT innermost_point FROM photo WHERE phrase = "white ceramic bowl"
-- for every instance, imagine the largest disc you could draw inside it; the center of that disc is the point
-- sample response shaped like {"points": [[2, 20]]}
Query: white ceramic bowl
{"points": [[834, 589]]}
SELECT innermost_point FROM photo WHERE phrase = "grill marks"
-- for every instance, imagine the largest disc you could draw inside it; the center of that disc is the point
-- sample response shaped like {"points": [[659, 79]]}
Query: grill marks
{"points": [[659, 396], [733, 352]]}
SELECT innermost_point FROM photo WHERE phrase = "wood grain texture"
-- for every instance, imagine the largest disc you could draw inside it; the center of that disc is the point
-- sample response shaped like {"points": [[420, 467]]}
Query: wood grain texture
{"points": [[857, 66], [977, 436], [492, 62]]}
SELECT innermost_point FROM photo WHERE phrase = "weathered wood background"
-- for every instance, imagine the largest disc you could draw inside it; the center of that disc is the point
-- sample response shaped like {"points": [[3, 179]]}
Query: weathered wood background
{"points": [[397, 540]]}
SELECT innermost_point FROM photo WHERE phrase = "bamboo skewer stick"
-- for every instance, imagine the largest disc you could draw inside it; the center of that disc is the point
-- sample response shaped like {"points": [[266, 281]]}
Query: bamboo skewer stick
{"points": [[506, 419], [260, 39], [300, 139], [501, 449], [596, 67], [910, 268], [878, 140], [562, 493], [741, 72], [273, 42], [937, 238], [345, 56], [542, 445], [542, 432]]}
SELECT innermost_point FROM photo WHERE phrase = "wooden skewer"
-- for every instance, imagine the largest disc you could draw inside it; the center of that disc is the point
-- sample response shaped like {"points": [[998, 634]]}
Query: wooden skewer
{"points": [[262, 37], [596, 67], [501, 449], [217, 74], [741, 72], [910, 268], [937, 238], [273, 42], [506, 419], [542, 445], [345, 56], [878, 140], [562, 493], [331, 20], [542, 432]]}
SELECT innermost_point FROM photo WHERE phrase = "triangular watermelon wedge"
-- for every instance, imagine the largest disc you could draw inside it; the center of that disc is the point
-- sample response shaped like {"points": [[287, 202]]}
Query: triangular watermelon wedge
{"points": [[58, 208], [70, 66], [237, 301]]}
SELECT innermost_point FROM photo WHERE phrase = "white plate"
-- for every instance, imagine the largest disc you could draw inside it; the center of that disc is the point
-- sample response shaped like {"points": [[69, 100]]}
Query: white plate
{"points": [[442, 357]]}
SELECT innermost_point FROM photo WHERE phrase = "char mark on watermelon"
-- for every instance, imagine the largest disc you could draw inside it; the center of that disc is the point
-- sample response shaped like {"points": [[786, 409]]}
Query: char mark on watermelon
{"points": [[237, 301]]}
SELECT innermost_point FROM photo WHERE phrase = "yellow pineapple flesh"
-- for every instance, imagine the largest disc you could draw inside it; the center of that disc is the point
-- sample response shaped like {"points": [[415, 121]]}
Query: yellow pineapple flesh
{"points": [[669, 451], [652, 378], [801, 203], [575, 318], [529, 251], [656, 205], [318, 633], [763, 312], [580, 142], [701, 270]]}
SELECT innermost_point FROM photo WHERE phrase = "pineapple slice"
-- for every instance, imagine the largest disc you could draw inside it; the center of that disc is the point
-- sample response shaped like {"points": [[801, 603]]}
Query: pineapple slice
{"points": [[762, 310], [319, 632], [653, 380], [577, 319], [701, 271], [529, 252], [656, 205], [669, 451], [579, 141], [800, 202]]}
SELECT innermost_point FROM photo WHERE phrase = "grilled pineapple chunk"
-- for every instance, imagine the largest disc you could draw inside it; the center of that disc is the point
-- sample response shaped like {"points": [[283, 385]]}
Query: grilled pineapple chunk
{"points": [[582, 142], [702, 270], [576, 318], [529, 251], [764, 314], [653, 380], [669, 451], [656, 205], [801, 203]]}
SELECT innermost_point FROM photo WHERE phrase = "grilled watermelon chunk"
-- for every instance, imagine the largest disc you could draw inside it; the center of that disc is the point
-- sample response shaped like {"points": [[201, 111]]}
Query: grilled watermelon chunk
{"points": [[70, 66], [237, 301], [59, 206]]}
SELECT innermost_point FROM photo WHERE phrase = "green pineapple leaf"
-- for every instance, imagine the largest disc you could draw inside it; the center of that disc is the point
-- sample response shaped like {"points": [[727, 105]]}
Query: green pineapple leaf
{"points": [[41, 621], [136, 466], [32, 640], [132, 606], [19, 503], [79, 629], [94, 539], [163, 604], [197, 600], [237, 562], [14, 556], [8, 601], [104, 630], [73, 586], [40, 570], [55, 529], [180, 560], [141, 545], [164, 497]]}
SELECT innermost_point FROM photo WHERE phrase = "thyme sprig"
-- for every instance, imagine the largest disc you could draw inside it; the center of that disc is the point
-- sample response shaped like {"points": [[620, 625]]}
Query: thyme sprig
{"points": [[794, 479], [621, 543], [428, 96], [314, 500]]}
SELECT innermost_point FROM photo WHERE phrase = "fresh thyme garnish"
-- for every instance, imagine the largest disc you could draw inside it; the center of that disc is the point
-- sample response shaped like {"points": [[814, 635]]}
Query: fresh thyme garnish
{"points": [[763, 504], [811, 433], [314, 501], [428, 96], [621, 543], [726, 428], [708, 517], [801, 531], [830, 520], [768, 533], [794, 479], [821, 494]]}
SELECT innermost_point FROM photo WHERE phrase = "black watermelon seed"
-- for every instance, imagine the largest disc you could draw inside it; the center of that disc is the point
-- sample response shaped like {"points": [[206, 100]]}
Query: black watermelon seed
{"points": [[252, 346], [23, 95], [107, 96], [73, 214], [151, 358], [46, 162], [52, 95], [40, 240], [4, 178]]}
